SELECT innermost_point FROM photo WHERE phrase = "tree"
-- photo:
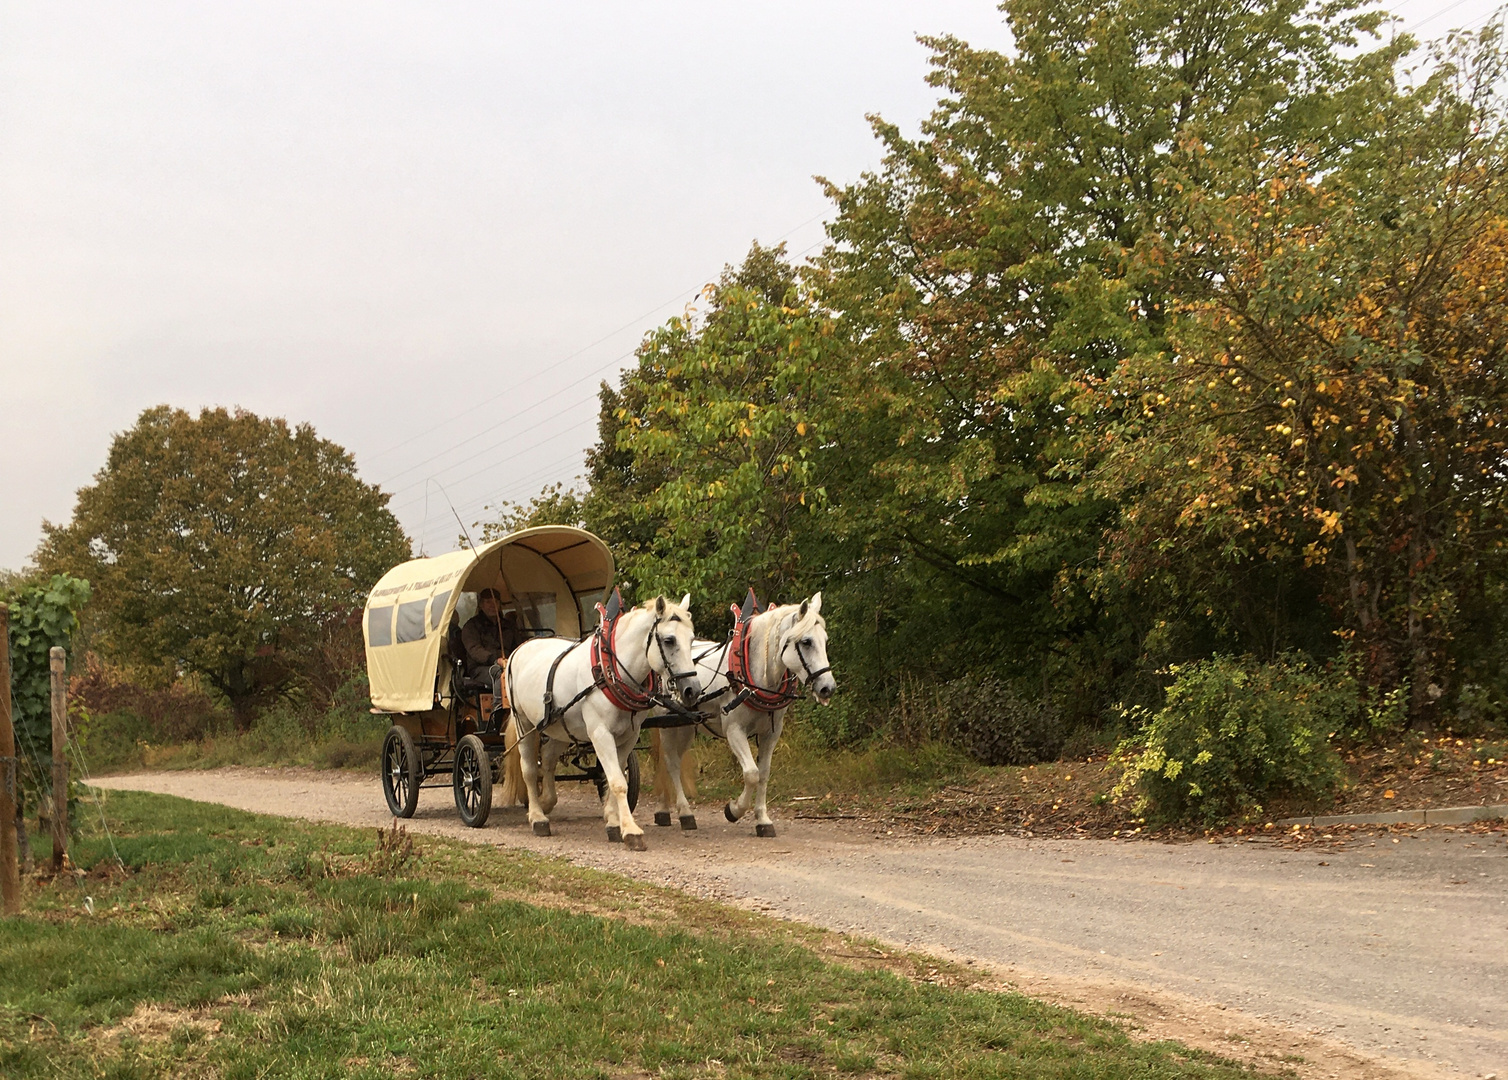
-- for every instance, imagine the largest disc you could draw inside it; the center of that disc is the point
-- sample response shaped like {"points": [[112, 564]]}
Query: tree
{"points": [[713, 462], [221, 544], [984, 283], [554, 505], [1331, 392]]}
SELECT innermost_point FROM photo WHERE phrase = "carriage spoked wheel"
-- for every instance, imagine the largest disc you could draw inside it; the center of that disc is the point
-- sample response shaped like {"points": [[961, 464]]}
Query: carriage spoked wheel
{"points": [[400, 772], [472, 780], [633, 781]]}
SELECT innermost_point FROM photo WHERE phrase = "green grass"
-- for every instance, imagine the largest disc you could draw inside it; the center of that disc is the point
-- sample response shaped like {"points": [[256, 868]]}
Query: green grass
{"points": [[124, 742], [244, 946]]}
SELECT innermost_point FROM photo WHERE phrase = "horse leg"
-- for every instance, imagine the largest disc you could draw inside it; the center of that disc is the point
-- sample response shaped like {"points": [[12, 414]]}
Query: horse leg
{"points": [[619, 818], [676, 741], [738, 742], [528, 762], [664, 792], [763, 826], [549, 758]]}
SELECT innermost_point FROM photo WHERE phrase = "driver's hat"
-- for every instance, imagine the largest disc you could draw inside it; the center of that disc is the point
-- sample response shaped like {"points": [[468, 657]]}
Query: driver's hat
{"points": [[489, 594]]}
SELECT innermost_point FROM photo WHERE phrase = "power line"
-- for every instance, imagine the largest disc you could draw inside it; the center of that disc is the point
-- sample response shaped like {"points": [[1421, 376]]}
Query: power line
{"points": [[685, 293]]}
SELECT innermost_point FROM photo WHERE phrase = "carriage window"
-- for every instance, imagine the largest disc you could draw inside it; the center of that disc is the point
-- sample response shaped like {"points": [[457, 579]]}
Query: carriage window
{"points": [[411, 621], [437, 609], [536, 610], [380, 626]]}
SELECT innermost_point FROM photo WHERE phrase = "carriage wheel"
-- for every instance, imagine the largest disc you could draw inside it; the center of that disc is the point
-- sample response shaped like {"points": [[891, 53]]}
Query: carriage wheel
{"points": [[472, 780], [400, 772], [632, 777]]}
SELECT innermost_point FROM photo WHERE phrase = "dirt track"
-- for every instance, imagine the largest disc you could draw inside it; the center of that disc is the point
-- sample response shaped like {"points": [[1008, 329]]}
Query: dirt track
{"points": [[1390, 959]]}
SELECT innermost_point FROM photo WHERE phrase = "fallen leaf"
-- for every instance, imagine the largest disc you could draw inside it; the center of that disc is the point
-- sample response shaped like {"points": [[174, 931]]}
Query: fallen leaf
{"points": [[1389, 794]]}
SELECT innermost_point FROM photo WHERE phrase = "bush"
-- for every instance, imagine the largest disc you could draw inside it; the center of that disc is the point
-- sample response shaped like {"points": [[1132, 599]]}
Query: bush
{"points": [[1235, 733], [982, 716], [176, 713]]}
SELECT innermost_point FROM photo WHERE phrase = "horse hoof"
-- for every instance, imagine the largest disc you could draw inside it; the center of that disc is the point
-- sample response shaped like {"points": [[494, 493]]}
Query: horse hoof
{"points": [[662, 817], [688, 822], [728, 812], [634, 841], [614, 835], [764, 830], [541, 828]]}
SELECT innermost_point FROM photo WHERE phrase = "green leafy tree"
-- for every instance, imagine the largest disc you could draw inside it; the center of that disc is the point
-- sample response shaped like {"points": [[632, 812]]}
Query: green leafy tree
{"points": [[223, 544], [1330, 392], [713, 467], [554, 505], [984, 280]]}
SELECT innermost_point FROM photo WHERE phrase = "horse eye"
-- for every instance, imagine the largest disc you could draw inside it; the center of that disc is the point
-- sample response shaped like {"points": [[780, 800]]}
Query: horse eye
{"points": [[806, 642], [668, 639]]}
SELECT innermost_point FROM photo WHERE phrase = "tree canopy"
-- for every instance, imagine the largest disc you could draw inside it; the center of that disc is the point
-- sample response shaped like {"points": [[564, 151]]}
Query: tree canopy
{"points": [[219, 543], [1177, 330]]}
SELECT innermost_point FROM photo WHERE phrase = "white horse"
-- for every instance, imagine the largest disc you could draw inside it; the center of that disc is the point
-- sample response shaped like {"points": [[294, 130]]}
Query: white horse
{"points": [[558, 699], [784, 643]]}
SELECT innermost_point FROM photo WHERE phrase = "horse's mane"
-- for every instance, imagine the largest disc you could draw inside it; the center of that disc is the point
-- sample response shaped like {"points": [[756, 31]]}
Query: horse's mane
{"points": [[812, 618]]}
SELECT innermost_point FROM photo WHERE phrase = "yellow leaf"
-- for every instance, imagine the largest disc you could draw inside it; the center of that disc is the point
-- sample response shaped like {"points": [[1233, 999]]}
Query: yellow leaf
{"points": [[1389, 794], [801, 428]]}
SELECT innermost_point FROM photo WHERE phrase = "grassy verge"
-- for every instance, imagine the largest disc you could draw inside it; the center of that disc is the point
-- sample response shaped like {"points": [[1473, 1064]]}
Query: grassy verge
{"points": [[123, 742], [239, 946]]}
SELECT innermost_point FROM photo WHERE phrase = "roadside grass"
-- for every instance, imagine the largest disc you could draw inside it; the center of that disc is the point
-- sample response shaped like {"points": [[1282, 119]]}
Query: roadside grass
{"points": [[124, 742], [235, 945]]}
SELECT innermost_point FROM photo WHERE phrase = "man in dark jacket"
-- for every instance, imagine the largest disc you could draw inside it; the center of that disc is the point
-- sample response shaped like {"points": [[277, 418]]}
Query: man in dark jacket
{"points": [[488, 635]]}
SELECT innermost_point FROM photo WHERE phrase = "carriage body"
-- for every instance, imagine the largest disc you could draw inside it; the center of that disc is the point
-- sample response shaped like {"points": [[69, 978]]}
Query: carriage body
{"points": [[446, 731]]}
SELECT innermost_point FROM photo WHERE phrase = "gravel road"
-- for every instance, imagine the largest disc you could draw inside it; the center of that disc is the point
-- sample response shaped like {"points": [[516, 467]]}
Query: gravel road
{"points": [[1388, 959]]}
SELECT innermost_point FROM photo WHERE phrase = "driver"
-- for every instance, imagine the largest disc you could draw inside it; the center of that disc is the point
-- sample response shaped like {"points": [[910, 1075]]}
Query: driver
{"points": [[488, 636]]}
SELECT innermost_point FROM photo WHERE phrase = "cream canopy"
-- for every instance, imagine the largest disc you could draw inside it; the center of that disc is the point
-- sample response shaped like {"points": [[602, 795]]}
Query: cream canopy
{"points": [[544, 574]]}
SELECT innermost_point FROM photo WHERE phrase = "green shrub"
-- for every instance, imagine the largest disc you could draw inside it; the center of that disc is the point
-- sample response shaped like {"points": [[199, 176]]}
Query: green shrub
{"points": [[1235, 733]]}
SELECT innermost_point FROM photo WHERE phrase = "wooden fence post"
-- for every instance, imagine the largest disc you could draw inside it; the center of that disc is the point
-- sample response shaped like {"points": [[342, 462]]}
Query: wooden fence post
{"points": [[10, 878], [57, 661]]}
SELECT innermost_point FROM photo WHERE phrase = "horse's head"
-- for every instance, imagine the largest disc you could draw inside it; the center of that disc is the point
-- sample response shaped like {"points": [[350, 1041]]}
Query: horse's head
{"points": [[669, 647], [803, 649]]}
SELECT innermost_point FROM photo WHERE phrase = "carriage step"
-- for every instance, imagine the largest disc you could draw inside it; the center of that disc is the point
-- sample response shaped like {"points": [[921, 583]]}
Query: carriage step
{"points": [[541, 828], [688, 822], [662, 818]]}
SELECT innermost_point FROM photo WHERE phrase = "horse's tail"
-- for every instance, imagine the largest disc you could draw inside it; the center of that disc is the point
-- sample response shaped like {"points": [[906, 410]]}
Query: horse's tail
{"points": [[514, 793]]}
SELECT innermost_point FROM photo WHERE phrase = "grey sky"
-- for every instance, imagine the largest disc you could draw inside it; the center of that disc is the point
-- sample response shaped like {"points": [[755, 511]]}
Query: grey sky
{"points": [[374, 217]]}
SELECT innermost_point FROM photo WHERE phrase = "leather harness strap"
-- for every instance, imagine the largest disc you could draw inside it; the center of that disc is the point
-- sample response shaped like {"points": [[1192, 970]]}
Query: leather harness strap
{"points": [[751, 693]]}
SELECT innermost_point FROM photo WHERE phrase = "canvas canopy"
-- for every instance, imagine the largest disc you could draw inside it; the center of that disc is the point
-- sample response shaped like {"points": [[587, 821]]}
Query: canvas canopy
{"points": [[549, 575]]}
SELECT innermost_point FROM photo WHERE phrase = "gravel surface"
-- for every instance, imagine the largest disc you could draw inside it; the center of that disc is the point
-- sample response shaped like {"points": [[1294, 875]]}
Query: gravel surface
{"points": [[1388, 958]]}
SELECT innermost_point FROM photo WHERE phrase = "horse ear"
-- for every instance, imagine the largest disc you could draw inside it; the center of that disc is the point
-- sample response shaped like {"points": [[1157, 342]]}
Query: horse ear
{"points": [[817, 604], [686, 601], [659, 605], [804, 605]]}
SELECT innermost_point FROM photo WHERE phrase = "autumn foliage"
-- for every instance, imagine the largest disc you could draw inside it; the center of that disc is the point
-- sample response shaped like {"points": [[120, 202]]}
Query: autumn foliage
{"points": [[1176, 333]]}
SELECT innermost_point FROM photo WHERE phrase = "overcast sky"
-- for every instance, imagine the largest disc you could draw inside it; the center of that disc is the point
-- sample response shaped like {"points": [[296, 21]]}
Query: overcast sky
{"points": [[428, 230]]}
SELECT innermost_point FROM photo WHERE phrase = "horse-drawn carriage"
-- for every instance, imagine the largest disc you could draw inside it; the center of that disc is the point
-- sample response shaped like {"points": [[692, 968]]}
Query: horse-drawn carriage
{"points": [[448, 728], [566, 699]]}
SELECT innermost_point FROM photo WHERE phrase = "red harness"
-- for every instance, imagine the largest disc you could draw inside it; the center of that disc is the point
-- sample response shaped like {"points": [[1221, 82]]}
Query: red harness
{"points": [[607, 672], [765, 701]]}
